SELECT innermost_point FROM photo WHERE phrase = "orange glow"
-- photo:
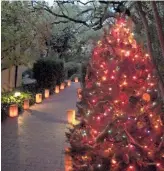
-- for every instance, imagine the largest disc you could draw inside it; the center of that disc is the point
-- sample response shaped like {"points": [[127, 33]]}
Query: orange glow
{"points": [[71, 116], [104, 78], [114, 161], [69, 83], [46, 93], [68, 162], [13, 110], [62, 86], [38, 98], [57, 89], [76, 80], [146, 97], [156, 126], [26, 104]]}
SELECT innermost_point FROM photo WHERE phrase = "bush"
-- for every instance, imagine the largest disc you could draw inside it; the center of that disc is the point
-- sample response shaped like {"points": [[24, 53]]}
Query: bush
{"points": [[72, 68], [8, 98], [48, 73], [32, 88]]}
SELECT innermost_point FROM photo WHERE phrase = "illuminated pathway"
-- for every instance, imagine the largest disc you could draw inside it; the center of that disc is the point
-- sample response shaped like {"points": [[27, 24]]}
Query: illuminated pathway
{"points": [[35, 141]]}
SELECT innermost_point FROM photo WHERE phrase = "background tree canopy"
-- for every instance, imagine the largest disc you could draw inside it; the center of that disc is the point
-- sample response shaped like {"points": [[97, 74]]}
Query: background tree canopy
{"points": [[69, 29]]}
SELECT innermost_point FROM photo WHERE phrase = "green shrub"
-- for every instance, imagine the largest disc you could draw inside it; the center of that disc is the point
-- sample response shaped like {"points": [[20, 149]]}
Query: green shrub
{"points": [[9, 98], [48, 73], [32, 88], [72, 68]]}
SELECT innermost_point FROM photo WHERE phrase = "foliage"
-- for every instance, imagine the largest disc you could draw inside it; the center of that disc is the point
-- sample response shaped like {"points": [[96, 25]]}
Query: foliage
{"points": [[119, 106], [24, 33], [32, 88], [71, 68], [9, 98], [48, 73]]}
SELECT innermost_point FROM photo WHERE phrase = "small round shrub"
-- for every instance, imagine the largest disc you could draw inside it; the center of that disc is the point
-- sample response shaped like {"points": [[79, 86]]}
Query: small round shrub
{"points": [[48, 73]]}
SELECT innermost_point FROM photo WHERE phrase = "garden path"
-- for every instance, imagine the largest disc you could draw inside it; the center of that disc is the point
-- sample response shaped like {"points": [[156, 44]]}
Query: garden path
{"points": [[35, 141]]}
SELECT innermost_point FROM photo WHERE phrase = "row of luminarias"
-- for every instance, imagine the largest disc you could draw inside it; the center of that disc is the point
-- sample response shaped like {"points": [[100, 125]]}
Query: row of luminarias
{"points": [[13, 109]]}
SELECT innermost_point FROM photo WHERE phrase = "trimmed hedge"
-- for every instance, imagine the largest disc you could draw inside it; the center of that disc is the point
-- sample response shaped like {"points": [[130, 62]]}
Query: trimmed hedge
{"points": [[48, 73]]}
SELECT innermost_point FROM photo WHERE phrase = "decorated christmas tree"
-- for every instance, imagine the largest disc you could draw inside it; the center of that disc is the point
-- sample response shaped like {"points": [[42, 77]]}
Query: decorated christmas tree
{"points": [[120, 115]]}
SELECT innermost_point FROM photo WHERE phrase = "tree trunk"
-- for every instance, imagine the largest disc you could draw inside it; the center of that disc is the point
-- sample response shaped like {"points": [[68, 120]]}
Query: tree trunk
{"points": [[16, 75], [149, 47], [158, 26]]}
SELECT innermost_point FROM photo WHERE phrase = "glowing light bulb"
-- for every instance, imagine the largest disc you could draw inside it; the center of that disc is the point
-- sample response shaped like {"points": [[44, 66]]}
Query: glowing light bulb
{"points": [[98, 118], [116, 101], [154, 103], [131, 146], [151, 115], [112, 77], [125, 83], [104, 78], [110, 89], [109, 131], [122, 51], [16, 94], [114, 161], [98, 83], [106, 71], [127, 53], [158, 164], [93, 101], [145, 146], [95, 132], [131, 167], [134, 77], [99, 165], [156, 126]]}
